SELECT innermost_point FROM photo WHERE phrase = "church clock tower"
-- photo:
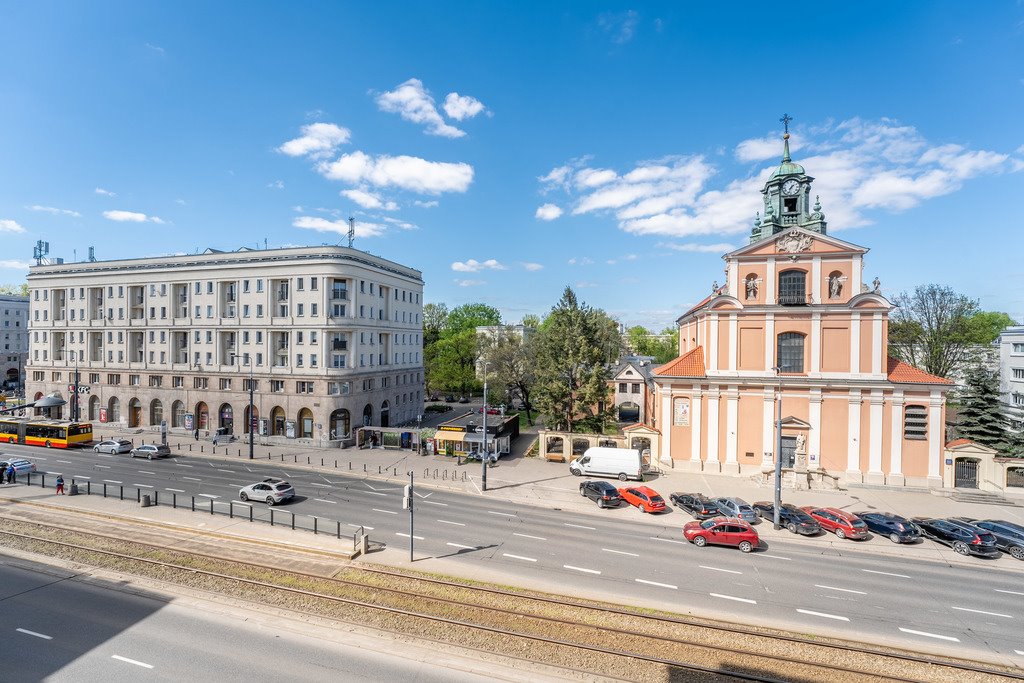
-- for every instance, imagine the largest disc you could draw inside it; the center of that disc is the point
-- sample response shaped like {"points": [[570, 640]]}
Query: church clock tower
{"points": [[787, 198]]}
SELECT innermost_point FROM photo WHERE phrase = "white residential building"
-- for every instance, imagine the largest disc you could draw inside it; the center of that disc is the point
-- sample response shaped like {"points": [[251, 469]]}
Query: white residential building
{"points": [[1011, 372], [14, 318]]}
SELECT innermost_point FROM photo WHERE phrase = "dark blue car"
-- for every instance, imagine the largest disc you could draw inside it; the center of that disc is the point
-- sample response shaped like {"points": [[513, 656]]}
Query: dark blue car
{"points": [[897, 529]]}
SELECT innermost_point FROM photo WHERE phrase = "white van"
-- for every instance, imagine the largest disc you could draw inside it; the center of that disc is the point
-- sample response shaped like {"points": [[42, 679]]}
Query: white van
{"points": [[624, 463]]}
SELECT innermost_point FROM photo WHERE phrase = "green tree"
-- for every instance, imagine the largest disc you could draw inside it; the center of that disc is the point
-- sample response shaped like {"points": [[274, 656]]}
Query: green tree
{"points": [[452, 363], [470, 317], [664, 346], [531, 320], [511, 366], [931, 329], [572, 351], [434, 317], [15, 290], [981, 416], [984, 326]]}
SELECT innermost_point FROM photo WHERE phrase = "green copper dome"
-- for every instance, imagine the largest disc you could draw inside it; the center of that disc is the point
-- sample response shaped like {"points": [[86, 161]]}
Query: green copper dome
{"points": [[787, 167]]}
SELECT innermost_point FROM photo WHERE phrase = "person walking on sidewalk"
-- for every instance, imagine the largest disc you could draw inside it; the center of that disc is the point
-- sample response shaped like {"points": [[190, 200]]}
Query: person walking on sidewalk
{"points": [[60, 485], [197, 433], [10, 474]]}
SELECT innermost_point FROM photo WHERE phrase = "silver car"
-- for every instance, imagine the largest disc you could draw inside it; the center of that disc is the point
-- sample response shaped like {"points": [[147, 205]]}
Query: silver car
{"points": [[737, 507], [21, 466], [113, 446], [150, 450], [270, 491]]}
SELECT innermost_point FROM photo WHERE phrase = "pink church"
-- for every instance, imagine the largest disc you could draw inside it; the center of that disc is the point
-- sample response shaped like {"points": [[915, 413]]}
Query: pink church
{"points": [[795, 319]]}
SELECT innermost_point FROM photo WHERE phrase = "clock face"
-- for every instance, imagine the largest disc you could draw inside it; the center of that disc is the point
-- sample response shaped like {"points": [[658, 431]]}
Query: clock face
{"points": [[790, 187]]}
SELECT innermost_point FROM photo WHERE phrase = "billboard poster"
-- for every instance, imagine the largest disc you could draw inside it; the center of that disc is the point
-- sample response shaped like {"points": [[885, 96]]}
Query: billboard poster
{"points": [[190, 421], [681, 412]]}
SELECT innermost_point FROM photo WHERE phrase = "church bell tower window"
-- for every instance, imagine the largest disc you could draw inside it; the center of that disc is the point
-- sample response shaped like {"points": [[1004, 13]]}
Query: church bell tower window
{"points": [[792, 288]]}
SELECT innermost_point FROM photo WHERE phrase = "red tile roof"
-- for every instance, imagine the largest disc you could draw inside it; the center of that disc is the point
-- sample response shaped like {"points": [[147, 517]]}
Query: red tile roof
{"points": [[690, 364], [904, 373], [958, 442]]}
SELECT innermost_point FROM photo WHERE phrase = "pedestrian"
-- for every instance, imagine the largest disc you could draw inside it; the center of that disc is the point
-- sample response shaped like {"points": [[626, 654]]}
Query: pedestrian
{"points": [[60, 485], [197, 433], [10, 474]]}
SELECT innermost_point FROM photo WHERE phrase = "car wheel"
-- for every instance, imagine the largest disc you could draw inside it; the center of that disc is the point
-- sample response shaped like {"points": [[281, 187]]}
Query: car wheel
{"points": [[96, 450], [746, 546], [243, 497], [700, 541], [791, 528], [622, 476], [10, 439], [1017, 552], [149, 456], [601, 504], [840, 533], [575, 473], [270, 500], [894, 537], [960, 548], [582, 492]]}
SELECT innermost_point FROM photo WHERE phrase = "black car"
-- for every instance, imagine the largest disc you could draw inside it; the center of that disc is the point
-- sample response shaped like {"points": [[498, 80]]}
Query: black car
{"points": [[605, 494], [464, 399], [449, 398], [793, 518], [963, 537], [897, 529], [1009, 536], [697, 504]]}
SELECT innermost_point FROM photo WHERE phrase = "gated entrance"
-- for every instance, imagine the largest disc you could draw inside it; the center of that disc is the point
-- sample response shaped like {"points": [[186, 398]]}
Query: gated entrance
{"points": [[788, 451], [965, 473]]}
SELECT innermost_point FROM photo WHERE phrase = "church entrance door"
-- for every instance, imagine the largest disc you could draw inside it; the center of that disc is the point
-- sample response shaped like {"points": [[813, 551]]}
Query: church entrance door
{"points": [[788, 451]]}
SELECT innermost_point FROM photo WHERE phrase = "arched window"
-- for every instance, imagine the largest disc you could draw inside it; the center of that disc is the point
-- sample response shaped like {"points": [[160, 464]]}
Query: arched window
{"points": [[113, 409], [178, 414], [790, 356], [341, 424], [792, 288], [277, 421], [306, 423], [156, 412], [94, 408], [915, 422]]}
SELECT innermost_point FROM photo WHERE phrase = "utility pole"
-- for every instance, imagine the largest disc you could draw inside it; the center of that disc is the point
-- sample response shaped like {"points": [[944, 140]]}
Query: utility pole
{"points": [[483, 458], [407, 504], [778, 453], [76, 410], [251, 418]]}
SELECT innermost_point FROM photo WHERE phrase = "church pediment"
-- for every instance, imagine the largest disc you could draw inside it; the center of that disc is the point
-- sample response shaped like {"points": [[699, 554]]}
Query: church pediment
{"points": [[796, 241], [794, 423], [725, 302]]}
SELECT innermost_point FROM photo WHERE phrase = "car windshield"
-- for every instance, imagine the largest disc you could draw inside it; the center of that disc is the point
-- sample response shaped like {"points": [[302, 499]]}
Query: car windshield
{"points": [[987, 538], [859, 523], [707, 524], [657, 499], [746, 508], [283, 487]]}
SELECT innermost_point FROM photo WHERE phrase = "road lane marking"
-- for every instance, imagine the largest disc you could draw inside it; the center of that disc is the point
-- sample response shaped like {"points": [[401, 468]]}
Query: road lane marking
{"points": [[418, 538], [733, 597], [66, 462], [779, 557], [619, 552], [519, 557], [580, 526], [459, 545], [536, 538], [131, 661], [1020, 652], [208, 495], [716, 569], [445, 521], [104, 455], [1010, 592], [106, 467], [192, 478], [112, 481], [33, 633], [655, 583], [175, 490], [581, 569], [182, 465], [145, 472], [822, 614], [80, 476], [844, 590], [872, 571], [374, 493], [332, 502], [978, 611], [434, 502], [142, 486], [363, 526], [388, 512], [503, 514], [668, 540], [929, 635], [228, 471]]}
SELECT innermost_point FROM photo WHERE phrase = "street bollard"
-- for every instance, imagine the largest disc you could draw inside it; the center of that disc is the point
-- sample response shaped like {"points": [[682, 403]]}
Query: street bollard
{"points": [[339, 530], [174, 501], [88, 488], [138, 495], [250, 513], [307, 461], [156, 497], [121, 496], [364, 467], [378, 469], [200, 449], [444, 475], [293, 521], [322, 463], [211, 506], [394, 471], [314, 525], [295, 458], [231, 509], [104, 490], [350, 465], [193, 503], [271, 516]]}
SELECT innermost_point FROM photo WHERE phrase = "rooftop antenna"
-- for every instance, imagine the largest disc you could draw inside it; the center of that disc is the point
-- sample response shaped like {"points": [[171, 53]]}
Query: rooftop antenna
{"points": [[40, 252], [351, 231], [74, 255], [264, 243], [92, 254]]}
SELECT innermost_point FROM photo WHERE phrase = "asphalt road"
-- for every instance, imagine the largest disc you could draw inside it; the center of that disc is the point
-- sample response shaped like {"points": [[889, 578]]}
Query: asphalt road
{"points": [[969, 610], [56, 629]]}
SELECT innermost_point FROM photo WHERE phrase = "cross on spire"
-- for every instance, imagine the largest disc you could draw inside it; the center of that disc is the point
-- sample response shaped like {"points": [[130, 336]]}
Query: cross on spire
{"points": [[786, 118]]}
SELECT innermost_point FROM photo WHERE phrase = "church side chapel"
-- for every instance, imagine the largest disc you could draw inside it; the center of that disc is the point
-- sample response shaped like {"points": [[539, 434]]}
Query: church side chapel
{"points": [[796, 322]]}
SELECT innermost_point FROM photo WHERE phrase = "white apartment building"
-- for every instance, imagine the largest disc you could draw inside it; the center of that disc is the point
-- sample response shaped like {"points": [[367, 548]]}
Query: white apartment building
{"points": [[1011, 373], [332, 337], [14, 317]]}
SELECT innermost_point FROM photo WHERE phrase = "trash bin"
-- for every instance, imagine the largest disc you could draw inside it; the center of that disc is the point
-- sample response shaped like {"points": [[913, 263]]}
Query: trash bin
{"points": [[147, 500], [73, 491]]}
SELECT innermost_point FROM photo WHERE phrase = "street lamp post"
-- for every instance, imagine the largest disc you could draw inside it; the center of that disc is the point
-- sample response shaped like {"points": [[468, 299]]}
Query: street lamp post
{"points": [[76, 409], [778, 451], [251, 419], [483, 458]]}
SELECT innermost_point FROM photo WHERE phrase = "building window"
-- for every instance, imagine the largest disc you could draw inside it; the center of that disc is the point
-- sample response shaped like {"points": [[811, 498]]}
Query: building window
{"points": [[225, 384], [312, 360], [304, 387], [133, 380], [915, 422], [1018, 399], [200, 383], [1018, 348], [312, 283], [622, 387], [313, 309], [1018, 373], [792, 287], [177, 382], [636, 387], [156, 380], [300, 309], [277, 385], [113, 380], [790, 357]]}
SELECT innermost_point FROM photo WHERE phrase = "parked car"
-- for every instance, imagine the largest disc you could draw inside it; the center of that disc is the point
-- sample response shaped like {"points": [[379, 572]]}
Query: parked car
{"points": [[897, 529], [624, 463], [643, 497], [1009, 536], [793, 518], [601, 492], [150, 450], [449, 398], [271, 491], [697, 504], [21, 466], [722, 531], [113, 446], [464, 399], [737, 507], [841, 523], [963, 537]]}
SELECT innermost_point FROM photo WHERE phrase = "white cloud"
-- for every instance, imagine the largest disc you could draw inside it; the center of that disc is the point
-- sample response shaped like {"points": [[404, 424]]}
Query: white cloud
{"points": [[461, 107], [369, 200], [585, 284], [182, 202], [474, 266], [276, 185], [14, 265], [860, 166], [404, 225], [548, 212], [54, 211], [340, 226], [131, 217], [532, 266], [621, 26], [318, 140], [584, 261], [156, 48], [720, 248], [7, 225], [404, 172], [413, 102], [108, 193], [469, 283], [426, 205]]}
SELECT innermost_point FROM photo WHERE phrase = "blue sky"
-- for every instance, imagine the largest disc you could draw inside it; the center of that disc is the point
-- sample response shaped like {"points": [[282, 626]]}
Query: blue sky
{"points": [[509, 149]]}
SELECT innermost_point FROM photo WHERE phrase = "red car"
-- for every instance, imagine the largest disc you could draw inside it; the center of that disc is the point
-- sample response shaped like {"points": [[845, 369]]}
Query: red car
{"points": [[842, 524], [644, 498], [722, 531]]}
